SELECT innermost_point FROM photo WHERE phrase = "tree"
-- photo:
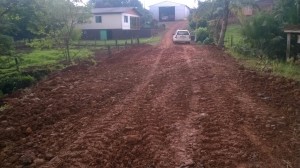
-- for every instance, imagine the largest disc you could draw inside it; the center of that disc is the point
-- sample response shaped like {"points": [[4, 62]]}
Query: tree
{"points": [[224, 23], [58, 28], [287, 11]]}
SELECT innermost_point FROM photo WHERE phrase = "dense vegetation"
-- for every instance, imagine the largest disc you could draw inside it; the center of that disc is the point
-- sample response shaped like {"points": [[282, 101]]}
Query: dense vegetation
{"points": [[259, 36]]}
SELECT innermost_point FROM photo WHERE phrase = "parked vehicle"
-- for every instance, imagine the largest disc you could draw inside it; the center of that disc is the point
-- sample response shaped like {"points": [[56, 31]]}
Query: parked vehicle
{"points": [[182, 36]]}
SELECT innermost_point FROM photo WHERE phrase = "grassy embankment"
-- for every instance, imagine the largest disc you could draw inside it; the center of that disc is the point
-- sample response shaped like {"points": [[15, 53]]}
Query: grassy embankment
{"points": [[288, 70], [35, 64]]}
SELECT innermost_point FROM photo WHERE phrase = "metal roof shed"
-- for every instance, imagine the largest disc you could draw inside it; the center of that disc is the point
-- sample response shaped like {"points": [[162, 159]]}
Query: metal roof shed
{"points": [[169, 11]]}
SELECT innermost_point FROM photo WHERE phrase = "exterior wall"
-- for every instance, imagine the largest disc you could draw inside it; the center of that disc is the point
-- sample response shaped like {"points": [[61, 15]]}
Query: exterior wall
{"points": [[155, 12], [126, 26], [118, 34], [187, 12], [109, 21], [181, 11]]}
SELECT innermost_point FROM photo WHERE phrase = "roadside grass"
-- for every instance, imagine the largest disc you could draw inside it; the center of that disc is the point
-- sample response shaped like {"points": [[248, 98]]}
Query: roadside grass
{"points": [[44, 58], [234, 37], [34, 65], [151, 40]]}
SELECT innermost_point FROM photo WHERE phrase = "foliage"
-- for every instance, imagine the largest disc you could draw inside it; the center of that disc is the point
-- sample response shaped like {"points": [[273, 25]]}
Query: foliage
{"points": [[287, 11], [6, 45], [60, 19], [201, 34], [264, 33], [12, 83], [194, 24]]}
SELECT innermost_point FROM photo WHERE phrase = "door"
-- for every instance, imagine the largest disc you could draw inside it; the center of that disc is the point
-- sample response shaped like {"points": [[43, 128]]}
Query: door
{"points": [[103, 35], [167, 13]]}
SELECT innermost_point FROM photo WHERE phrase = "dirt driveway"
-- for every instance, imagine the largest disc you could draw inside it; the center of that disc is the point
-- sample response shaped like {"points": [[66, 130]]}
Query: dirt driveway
{"points": [[154, 106]]}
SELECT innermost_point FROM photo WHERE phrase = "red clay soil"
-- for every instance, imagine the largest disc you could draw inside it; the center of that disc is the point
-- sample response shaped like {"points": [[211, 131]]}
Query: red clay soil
{"points": [[155, 106]]}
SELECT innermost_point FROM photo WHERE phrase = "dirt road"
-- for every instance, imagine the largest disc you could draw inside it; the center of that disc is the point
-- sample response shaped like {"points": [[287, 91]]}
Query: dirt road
{"points": [[154, 106]]}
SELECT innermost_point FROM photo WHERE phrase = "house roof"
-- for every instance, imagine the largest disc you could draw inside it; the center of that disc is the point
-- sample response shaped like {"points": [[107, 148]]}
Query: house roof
{"points": [[114, 10], [168, 2], [292, 29]]}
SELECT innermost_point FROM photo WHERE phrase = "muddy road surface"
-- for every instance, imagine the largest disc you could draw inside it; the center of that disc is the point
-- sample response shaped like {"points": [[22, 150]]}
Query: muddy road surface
{"points": [[164, 106]]}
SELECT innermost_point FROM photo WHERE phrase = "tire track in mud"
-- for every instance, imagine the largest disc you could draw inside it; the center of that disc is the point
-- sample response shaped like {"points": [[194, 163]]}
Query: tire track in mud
{"points": [[184, 136], [99, 135], [224, 142]]}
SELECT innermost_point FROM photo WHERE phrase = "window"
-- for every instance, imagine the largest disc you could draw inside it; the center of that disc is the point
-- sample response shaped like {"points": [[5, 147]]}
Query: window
{"points": [[134, 23], [126, 19], [183, 33], [98, 19]]}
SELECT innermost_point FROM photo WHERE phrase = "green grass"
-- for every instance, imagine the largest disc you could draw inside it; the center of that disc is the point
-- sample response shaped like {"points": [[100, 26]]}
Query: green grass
{"points": [[49, 59], [233, 33], [288, 70], [40, 58], [278, 68], [151, 40]]}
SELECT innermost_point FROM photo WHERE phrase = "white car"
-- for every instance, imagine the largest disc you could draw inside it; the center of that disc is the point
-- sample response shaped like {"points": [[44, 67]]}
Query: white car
{"points": [[182, 36]]}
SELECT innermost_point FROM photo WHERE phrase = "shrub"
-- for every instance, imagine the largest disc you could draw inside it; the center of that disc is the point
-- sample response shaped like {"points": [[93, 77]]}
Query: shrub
{"points": [[199, 23], [208, 41], [201, 34], [6, 45], [12, 83], [202, 23], [264, 33]]}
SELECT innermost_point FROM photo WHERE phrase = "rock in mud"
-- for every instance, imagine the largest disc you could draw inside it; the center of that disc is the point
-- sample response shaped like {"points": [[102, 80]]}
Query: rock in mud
{"points": [[4, 123], [38, 162], [28, 130], [26, 159], [188, 163], [49, 156], [132, 138]]}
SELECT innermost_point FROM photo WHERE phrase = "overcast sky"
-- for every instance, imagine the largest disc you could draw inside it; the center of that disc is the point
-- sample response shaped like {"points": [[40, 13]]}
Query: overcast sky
{"points": [[189, 3], [147, 3]]}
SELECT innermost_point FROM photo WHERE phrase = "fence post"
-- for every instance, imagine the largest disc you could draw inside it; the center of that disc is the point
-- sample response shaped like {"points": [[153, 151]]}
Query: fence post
{"points": [[138, 40], [117, 44], [109, 50], [231, 40]]}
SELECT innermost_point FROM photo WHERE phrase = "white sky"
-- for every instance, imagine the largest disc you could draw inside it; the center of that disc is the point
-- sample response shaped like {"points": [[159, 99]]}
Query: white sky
{"points": [[147, 3], [189, 3]]}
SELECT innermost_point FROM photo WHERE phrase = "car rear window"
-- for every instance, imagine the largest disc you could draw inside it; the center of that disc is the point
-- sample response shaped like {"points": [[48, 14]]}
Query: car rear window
{"points": [[183, 33]]}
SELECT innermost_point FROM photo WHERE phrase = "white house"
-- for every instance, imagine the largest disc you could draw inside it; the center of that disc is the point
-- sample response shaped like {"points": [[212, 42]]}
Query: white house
{"points": [[111, 23], [169, 11]]}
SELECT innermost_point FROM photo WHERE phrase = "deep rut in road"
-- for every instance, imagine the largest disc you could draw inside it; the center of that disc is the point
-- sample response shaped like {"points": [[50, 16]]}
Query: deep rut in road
{"points": [[153, 106]]}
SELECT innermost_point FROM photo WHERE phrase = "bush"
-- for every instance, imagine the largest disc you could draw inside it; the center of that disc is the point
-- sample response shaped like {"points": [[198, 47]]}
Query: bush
{"points": [[10, 84], [202, 23], [196, 24], [208, 41], [6, 45], [264, 33], [201, 34]]}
